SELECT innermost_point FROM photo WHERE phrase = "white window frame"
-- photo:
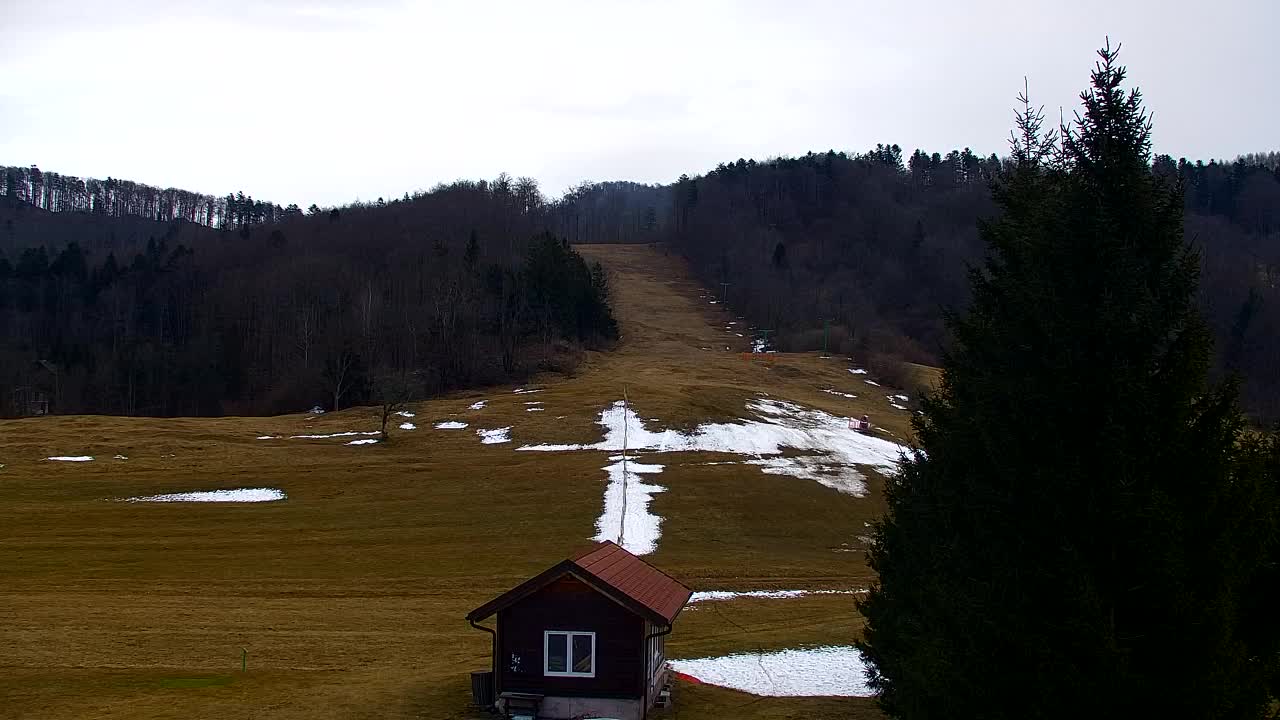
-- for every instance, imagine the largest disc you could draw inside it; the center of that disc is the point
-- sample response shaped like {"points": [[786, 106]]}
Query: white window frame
{"points": [[569, 635]]}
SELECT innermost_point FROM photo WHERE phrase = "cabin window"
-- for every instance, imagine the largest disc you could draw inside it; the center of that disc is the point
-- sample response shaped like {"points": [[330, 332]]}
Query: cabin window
{"points": [[569, 653]]}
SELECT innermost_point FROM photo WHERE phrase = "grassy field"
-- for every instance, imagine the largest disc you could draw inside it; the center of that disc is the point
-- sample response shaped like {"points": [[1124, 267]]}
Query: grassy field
{"points": [[349, 597]]}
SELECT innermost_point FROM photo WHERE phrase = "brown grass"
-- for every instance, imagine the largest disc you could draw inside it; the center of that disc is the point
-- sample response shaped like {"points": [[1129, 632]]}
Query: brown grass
{"points": [[349, 596]]}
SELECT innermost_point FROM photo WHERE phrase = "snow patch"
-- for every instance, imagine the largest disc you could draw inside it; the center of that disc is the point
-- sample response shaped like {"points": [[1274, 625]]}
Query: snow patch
{"points": [[404, 413], [896, 405], [317, 410], [408, 426], [450, 425], [903, 398], [495, 436], [368, 441], [534, 409], [239, 495], [478, 405], [523, 391], [851, 396], [120, 457], [71, 458], [534, 402], [871, 382], [831, 671], [268, 437], [857, 371]]}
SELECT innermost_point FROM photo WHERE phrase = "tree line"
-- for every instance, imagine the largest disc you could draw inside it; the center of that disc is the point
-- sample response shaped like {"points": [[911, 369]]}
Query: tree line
{"points": [[119, 198], [459, 286]]}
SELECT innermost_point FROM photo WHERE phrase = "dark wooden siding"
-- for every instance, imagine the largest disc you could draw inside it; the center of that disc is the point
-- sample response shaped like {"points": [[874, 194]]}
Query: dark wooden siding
{"points": [[570, 604]]}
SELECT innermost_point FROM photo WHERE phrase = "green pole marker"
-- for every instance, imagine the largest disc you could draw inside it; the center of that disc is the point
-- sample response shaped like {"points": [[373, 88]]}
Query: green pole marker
{"points": [[244, 660]]}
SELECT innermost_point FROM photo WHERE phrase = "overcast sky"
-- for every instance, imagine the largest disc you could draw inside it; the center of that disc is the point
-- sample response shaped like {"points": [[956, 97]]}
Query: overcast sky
{"points": [[325, 101]]}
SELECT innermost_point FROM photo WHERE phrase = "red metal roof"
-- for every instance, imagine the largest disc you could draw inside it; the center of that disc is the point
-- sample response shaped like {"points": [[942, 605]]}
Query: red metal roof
{"points": [[613, 571], [635, 578]]}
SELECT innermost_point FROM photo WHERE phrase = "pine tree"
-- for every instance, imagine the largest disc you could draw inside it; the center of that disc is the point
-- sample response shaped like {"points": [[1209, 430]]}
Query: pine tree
{"points": [[1088, 530]]}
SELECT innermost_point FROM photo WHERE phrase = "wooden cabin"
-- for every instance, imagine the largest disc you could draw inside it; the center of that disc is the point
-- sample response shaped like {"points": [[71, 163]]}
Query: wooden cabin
{"points": [[584, 638]]}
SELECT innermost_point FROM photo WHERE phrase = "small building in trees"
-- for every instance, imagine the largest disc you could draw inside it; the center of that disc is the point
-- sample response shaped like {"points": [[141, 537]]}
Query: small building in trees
{"points": [[29, 402], [585, 638]]}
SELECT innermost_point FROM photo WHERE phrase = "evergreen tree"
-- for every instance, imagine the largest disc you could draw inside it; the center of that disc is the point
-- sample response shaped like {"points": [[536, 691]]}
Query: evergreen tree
{"points": [[1088, 531]]}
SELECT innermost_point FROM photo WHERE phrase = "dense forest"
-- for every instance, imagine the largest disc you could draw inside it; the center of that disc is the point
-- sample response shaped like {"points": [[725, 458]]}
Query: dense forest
{"points": [[106, 309], [878, 246], [117, 296]]}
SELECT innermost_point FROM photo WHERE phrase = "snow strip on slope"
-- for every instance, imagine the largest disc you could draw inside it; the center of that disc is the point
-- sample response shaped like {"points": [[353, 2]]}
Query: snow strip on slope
{"points": [[871, 382], [323, 437], [713, 595], [450, 425], [369, 441], [478, 405], [495, 436], [626, 519], [71, 458], [857, 371], [239, 495], [832, 671], [851, 396], [781, 425]]}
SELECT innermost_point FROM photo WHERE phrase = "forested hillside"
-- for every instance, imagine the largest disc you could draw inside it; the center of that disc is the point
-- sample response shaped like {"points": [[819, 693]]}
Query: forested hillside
{"points": [[878, 246], [122, 297], [116, 312]]}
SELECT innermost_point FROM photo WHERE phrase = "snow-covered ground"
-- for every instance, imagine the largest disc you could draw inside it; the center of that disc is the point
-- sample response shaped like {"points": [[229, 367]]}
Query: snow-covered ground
{"points": [[71, 458], [495, 436], [832, 671], [450, 425], [781, 425], [824, 451], [626, 519], [239, 495]]}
